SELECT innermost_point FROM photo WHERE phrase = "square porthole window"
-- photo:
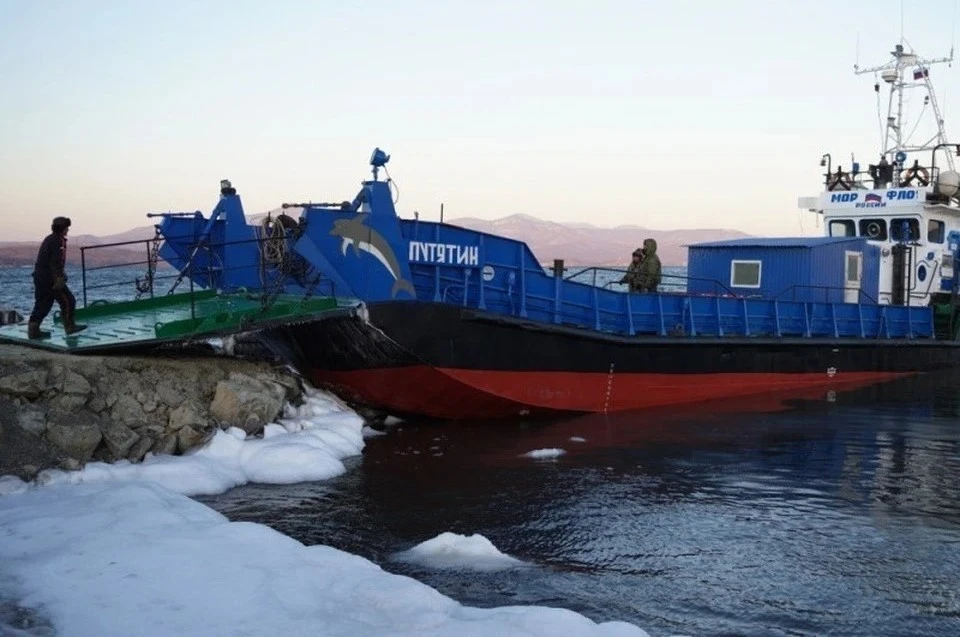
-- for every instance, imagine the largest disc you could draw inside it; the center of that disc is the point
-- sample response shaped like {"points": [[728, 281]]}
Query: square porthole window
{"points": [[745, 274]]}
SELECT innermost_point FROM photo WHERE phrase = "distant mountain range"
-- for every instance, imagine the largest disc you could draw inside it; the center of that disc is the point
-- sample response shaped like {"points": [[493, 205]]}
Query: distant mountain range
{"points": [[576, 243], [587, 244]]}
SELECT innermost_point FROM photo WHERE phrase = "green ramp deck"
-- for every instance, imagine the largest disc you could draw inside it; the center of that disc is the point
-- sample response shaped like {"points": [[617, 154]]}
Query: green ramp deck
{"points": [[175, 318]]}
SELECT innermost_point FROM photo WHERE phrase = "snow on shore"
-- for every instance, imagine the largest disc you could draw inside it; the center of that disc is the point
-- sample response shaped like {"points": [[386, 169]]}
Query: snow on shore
{"points": [[120, 550]]}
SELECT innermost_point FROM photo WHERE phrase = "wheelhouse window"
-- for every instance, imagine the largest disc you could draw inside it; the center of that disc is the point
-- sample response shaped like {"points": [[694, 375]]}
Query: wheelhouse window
{"points": [[904, 229], [842, 228], [875, 229], [745, 274], [935, 231]]}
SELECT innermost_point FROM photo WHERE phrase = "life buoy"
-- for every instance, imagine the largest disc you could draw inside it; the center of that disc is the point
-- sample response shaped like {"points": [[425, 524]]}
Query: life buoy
{"points": [[841, 179], [919, 173]]}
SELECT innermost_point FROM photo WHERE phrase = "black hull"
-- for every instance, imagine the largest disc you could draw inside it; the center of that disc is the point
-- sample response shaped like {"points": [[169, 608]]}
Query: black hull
{"points": [[409, 355]]}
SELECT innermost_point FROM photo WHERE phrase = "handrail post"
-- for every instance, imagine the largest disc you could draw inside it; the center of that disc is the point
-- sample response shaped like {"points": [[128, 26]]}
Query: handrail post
{"points": [[719, 322], [83, 273], [436, 268], [523, 283], [663, 325], [746, 317], [193, 314], [556, 297], [596, 309], [149, 267], [688, 306], [481, 303]]}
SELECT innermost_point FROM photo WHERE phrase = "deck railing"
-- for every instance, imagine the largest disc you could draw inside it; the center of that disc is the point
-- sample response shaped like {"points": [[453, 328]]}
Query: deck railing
{"points": [[161, 278], [527, 291]]}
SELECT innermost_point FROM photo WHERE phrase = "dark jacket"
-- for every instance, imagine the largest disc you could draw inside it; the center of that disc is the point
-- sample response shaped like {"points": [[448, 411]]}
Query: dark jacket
{"points": [[51, 259], [632, 276], [649, 275]]}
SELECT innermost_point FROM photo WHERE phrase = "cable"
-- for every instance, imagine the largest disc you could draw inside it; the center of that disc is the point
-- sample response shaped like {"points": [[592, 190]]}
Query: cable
{"points": [[391, 181]]}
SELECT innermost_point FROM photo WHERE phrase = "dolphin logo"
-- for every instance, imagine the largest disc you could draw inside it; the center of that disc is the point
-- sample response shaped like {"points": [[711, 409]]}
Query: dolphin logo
{"points": [[361, 237]]}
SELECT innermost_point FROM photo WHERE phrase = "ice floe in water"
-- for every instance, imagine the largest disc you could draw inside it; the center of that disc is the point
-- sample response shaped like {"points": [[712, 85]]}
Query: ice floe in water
{"points": [[544, 454], [111, 559], [451, 550]]}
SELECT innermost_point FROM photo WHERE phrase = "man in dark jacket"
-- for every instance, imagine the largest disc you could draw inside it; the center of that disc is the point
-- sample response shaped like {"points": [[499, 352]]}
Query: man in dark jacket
{"points": [[649, 274], [633, 271], [50, 282]]}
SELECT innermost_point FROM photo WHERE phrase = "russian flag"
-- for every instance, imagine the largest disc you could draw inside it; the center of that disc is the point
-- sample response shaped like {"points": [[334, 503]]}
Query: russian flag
{"points": [[920, 73]]}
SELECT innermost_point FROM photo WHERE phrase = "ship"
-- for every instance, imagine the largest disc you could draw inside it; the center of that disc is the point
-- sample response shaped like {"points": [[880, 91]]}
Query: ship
{"points": [[453, 323]]}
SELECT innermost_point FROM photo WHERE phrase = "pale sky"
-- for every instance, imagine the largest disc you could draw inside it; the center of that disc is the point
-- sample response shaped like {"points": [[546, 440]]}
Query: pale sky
{"points": [[676, 114]]}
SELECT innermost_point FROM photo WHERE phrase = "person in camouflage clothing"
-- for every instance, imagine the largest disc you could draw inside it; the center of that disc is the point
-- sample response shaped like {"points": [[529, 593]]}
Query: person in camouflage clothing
{"points": [[649, 273], [633, 271]]}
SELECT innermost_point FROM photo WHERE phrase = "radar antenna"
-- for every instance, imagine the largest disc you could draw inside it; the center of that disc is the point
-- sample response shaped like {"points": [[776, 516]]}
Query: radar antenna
{"points": [[908, 71]]}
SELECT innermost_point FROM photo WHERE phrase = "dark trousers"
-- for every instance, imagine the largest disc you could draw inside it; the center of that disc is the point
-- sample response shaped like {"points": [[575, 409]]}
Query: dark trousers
{"points": [[45, 296]]}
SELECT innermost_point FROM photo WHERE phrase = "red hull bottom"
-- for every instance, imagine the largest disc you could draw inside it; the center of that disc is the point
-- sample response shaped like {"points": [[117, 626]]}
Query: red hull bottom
{"points": [[458, 393]]}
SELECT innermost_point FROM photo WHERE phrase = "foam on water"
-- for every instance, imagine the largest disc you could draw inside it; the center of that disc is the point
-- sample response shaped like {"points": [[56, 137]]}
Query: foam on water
{"points": [[451, 550]]}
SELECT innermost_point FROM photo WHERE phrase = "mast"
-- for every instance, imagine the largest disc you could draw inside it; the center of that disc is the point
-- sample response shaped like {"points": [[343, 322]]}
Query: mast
{"points": [[907, 71]]}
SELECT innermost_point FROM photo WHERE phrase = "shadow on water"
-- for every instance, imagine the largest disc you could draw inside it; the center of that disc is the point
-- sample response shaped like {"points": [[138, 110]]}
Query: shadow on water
{"points": [[795, 514]]}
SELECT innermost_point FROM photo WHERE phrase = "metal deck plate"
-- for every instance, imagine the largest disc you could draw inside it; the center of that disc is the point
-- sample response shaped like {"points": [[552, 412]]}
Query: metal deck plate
{"points": [[173, 318]]}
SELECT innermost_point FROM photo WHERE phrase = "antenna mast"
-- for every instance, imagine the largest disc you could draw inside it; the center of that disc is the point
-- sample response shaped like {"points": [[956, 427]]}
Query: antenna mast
{"points": [[908, 71]]}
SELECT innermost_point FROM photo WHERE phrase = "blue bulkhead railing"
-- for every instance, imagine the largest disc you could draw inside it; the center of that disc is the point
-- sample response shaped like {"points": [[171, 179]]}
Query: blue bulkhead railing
{"points": [[504, 278]]}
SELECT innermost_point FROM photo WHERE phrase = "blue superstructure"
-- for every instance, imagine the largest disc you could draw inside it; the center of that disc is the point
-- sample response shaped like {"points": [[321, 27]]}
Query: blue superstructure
{"points": [[810, 269], [363, 249]]}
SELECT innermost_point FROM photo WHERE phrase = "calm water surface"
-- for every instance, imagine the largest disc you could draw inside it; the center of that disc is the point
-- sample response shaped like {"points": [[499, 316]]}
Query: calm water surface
{"points": [[826, 518]]}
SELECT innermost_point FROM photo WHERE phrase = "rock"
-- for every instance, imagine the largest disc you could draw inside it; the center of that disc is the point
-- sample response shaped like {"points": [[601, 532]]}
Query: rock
{"points": [[23, 454], [140, 448], [240, 396], [55, 378], [291, 385], [169, 395], [186, 415], [74, 383], [118, 438], [97, 404], [70, 409], [31, 384], [154, 431], [127, 410], [77, 441], [70, 464], [148, 400], [66, 404], [33, 419], [166, 445], [9, 412], [189, 438]]}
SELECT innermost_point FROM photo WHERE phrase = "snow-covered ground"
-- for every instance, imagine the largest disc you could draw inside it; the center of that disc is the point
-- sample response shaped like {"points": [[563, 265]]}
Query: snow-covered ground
{"points": [[120, 550]]}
